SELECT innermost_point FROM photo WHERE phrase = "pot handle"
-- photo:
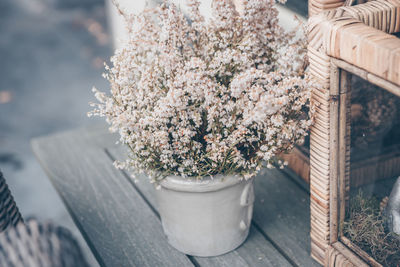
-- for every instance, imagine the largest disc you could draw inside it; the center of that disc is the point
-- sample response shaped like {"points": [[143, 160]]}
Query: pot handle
{"points": [[246, 200], [247, 197]]}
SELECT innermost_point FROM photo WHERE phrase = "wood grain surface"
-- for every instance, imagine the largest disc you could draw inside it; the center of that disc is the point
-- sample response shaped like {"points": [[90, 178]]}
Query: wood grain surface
{"points": [[119, 218]]}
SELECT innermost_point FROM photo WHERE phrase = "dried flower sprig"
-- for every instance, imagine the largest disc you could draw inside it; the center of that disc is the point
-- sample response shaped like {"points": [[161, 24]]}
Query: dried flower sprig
{"points": [[196, 98]]}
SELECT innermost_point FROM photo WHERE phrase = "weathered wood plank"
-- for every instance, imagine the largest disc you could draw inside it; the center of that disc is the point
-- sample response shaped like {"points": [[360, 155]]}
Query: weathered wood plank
{"points": [[282, 210], [117, 223]]}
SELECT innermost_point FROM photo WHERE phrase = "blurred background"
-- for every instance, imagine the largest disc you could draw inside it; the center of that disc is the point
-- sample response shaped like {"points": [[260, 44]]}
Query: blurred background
{"points": [[51, 53]]}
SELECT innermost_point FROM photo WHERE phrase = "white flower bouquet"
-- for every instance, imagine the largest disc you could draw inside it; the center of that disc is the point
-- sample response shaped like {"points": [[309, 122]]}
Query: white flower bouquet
{"points": [[193, 97]]}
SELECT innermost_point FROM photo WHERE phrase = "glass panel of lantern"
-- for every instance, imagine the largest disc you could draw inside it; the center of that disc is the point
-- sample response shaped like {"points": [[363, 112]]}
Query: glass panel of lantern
{"points": [[371, 223]]}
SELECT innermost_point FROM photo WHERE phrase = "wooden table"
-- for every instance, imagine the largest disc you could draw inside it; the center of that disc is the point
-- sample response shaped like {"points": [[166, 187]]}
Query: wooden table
{"points": [[119, 218]]}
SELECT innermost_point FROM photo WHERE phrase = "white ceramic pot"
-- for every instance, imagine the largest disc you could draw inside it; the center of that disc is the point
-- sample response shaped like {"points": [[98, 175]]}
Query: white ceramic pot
{"points": [[208, 217]]}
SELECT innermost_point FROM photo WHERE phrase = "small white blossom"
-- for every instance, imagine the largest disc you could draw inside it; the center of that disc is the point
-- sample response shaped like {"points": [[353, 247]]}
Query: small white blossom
{"points": [[197, 98]]}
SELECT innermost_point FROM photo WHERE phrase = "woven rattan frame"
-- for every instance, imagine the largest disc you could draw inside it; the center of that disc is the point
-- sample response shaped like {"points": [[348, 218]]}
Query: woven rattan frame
{"points": [[347, 39], [318, 6], [9, 213]]}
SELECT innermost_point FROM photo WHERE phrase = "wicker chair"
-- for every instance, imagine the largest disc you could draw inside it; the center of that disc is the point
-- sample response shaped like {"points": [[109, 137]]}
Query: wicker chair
{"points": [[9, 213], [32, 243]]}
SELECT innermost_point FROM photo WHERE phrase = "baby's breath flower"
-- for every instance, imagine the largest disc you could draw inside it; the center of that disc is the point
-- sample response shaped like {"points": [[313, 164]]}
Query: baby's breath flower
{"points": [[197, 98]]}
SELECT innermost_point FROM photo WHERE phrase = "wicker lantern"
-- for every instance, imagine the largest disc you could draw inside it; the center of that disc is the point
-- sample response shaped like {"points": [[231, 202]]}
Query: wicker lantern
{"points": [[355, 141]]}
